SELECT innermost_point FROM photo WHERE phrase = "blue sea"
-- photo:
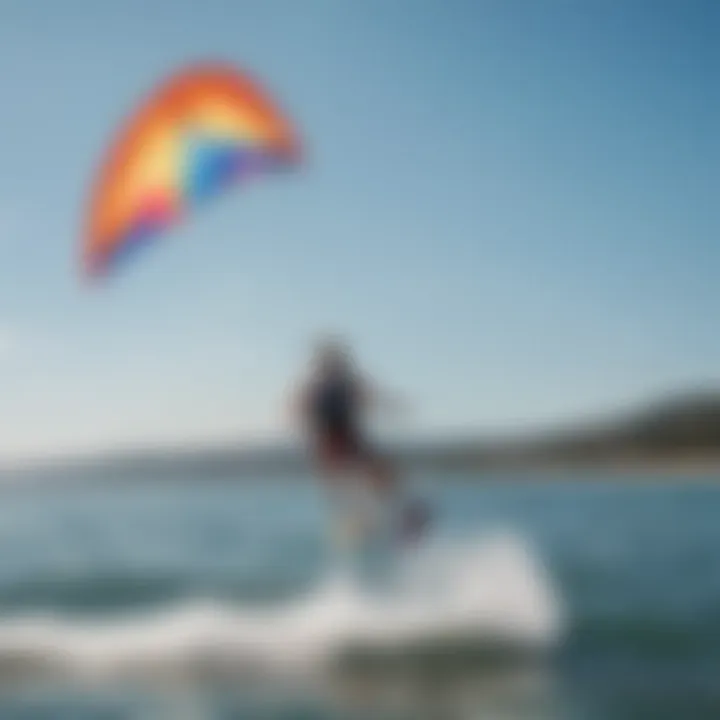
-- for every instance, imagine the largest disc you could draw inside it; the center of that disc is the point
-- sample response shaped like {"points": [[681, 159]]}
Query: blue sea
{"points": [[225, 597]]}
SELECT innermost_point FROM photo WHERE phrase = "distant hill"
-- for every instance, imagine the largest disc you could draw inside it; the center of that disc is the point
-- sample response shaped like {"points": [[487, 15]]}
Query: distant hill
{"points": [[677, 429], [683, 427]]}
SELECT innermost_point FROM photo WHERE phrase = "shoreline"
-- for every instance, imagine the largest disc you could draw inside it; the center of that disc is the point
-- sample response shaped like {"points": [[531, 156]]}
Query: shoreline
{"points": [[628, 471], [615, 470]]}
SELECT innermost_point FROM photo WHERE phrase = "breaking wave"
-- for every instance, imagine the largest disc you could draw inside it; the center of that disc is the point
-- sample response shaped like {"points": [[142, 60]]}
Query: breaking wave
{"points": [[489, 591]]}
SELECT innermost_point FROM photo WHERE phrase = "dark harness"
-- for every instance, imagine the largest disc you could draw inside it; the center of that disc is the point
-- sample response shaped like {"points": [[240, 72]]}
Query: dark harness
{"points": [[333, 407]]}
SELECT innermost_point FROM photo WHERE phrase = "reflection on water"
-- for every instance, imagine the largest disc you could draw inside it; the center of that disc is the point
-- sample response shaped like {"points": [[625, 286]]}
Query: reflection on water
{"points": [[461, 694], [399, 693]]}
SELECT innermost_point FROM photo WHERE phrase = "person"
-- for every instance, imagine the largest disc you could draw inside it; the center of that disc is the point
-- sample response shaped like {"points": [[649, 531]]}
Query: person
{"points": [[331, 406]]}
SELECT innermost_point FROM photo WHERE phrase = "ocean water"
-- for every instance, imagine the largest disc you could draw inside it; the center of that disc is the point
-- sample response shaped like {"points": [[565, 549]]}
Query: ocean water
{"points": [[533, 597]]}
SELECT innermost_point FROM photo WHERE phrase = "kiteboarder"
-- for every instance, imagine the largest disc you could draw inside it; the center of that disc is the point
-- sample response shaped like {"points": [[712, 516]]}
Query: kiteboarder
{"points": [[330, 407]]}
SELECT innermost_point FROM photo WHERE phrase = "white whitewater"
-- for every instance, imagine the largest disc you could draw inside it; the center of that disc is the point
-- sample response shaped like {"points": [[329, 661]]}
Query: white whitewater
{"points": [[490, 589]]}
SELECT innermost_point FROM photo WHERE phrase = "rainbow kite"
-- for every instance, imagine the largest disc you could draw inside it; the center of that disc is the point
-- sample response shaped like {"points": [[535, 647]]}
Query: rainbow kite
{"points": [[201, 132]]}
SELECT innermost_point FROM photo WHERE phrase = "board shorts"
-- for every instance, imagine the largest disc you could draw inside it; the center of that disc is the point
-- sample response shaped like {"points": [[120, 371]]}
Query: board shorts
{"points": [[340, 448]]}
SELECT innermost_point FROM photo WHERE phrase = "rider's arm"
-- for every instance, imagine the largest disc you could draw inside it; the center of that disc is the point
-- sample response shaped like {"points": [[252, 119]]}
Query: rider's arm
{"points": [[373, 397], [298, 406]]}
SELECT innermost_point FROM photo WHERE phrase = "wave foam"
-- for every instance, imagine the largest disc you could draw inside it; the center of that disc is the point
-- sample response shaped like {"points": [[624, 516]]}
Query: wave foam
{"points": [[490, 590]]}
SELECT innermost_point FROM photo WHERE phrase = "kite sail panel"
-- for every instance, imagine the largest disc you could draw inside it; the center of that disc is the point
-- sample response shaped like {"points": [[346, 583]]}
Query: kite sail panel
{"points": [[206, 129]]}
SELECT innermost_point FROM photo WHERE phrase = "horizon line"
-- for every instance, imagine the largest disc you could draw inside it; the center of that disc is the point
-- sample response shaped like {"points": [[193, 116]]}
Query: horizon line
{"points": [[278, 441]]}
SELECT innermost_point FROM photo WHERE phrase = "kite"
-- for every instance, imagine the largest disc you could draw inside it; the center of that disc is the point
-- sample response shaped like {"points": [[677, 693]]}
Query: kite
{"points": [[206, 129]]}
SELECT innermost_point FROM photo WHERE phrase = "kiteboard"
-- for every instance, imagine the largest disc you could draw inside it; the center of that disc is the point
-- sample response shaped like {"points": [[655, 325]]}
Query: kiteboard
{"points": [[361, 517]]}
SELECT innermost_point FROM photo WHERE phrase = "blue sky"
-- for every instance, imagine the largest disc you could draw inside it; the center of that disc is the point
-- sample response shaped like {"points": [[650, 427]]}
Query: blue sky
{"points": [[507, 207]]}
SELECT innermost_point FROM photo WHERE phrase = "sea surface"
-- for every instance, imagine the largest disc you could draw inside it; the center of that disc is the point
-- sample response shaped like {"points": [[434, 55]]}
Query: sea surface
{"points": [[226, 597]]}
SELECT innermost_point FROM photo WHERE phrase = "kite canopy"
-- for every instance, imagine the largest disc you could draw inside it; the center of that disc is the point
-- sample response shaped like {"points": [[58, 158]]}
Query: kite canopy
{"points": [[204, 130]]}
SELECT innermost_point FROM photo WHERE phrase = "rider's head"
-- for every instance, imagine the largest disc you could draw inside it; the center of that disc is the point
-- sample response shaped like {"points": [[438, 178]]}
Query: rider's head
{"points": [[332, 356]]}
